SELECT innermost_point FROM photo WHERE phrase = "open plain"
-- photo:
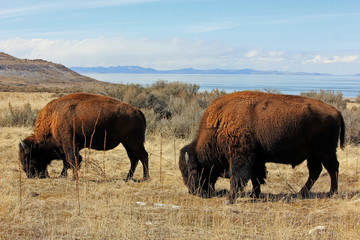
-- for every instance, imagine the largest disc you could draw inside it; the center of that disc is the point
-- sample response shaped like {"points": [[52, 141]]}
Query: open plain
{"points": [[101, 205]]}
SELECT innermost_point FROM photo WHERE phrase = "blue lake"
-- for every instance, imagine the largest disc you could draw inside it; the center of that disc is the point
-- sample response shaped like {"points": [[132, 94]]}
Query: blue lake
{"points": [[288, 84]]}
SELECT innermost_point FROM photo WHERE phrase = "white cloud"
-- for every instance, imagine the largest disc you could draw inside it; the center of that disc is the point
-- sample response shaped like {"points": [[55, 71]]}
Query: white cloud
{"points": [[265, 56], [318, 59], [345, 59], [276, 53], [176, 53], [253, 53], [161, 54]]}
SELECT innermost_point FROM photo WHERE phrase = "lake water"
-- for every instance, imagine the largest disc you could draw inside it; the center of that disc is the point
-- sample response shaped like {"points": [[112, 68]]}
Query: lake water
{"points": [[288, 84]]}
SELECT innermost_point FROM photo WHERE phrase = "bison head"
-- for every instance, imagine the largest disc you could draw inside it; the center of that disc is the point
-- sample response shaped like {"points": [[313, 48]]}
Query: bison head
{"points": [[193, 175], [30, 159]]}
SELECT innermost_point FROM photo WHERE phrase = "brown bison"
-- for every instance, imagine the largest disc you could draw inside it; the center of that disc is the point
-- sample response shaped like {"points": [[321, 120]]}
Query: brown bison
{"points": [[76, 121], [240, 132]]}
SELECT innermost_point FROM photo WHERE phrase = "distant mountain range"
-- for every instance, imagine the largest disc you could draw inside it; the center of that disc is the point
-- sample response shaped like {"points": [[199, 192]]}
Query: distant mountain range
{"points": [[141, 70]]}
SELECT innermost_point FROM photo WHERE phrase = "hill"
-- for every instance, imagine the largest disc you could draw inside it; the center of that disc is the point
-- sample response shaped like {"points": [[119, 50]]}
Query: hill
{"points": [[24, 73]]}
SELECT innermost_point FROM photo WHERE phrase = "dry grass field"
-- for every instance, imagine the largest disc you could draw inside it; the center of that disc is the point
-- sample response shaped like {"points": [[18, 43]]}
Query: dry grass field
{"points": [[103, 206]]}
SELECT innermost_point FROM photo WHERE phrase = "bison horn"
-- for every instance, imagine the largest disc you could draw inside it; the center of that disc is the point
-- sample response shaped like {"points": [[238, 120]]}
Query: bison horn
{"points": [[186, 157], [24, 146]]}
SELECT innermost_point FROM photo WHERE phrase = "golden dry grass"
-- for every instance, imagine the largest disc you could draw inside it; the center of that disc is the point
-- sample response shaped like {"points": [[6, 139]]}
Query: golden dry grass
{"points": [[19, 99], [161, 208]]}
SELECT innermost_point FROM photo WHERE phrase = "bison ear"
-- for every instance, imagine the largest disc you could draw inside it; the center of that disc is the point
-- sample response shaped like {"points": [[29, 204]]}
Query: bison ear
{"points": [[186, 157], [24, 146]]}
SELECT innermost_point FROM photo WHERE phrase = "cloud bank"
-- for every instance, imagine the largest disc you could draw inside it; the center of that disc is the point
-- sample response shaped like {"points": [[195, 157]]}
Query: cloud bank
{"points": [[334, 59], [176, 53]]}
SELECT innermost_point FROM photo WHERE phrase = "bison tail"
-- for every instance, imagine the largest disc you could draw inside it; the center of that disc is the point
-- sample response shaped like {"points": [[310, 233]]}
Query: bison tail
{"points": [[342, 132], [143, 117]]}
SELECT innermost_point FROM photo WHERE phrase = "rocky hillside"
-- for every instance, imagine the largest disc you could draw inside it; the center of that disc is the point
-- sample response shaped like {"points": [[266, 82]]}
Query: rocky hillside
{"points": [[22, 73]]}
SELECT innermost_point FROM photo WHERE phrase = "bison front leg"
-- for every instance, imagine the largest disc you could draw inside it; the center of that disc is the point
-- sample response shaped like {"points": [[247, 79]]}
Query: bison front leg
{"points": [[239, 177], [66, 166], [73, 160], [43, 174], [256, 191], [236, 185]]}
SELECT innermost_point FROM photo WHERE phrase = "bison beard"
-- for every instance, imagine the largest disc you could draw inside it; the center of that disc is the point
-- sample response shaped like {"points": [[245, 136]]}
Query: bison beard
{"points": [[242, 131], [70, 123]]}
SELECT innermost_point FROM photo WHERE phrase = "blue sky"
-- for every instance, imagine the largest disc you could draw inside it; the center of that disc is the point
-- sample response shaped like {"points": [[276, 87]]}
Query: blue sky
{"points": [[309, 36]]}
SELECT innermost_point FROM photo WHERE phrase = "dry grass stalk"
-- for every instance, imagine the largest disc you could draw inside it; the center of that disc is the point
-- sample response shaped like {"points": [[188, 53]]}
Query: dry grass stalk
{"points": [[20, 184], [93, 133], [85, 160], [174, 152], [76, 169], [231, 168], [161, 152], [104, 157]]}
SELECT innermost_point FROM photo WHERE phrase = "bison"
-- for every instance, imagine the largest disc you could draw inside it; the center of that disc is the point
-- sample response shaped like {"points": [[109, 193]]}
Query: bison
{"points": [[76, 121], [242, 131]]}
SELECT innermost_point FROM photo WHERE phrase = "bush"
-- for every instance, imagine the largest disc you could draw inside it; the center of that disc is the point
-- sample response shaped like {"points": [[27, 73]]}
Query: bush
{"points": [[352, 125], [175, 109], [330, 97], [358, 98], [19, 117]]}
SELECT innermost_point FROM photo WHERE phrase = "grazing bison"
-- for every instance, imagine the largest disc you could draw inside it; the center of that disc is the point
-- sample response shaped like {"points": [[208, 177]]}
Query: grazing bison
{"points": [[70, 123], [240, 132]]}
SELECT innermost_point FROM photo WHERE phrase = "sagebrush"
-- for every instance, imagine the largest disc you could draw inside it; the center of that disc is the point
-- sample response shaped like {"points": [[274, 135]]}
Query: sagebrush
{"points": [[175, 109]]}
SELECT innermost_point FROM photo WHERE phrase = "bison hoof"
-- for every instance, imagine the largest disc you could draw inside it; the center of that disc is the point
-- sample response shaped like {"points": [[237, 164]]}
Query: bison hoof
{"points": [[142, 180], [303, 194], [255, 195], [332, 192]]}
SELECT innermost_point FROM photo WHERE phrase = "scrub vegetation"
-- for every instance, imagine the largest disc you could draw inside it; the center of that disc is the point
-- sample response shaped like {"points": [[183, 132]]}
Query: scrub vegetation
{"points": [[103, 206]]}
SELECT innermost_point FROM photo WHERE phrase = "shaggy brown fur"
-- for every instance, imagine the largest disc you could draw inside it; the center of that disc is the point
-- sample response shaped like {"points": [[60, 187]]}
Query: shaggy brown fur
{"points": [[66, 124], [248, 129]]}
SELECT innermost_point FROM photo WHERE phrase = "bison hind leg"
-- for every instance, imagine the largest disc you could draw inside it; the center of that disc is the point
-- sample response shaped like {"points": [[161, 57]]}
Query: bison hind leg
{"points": [[315, 168], [136, 153], [331, 164]]}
